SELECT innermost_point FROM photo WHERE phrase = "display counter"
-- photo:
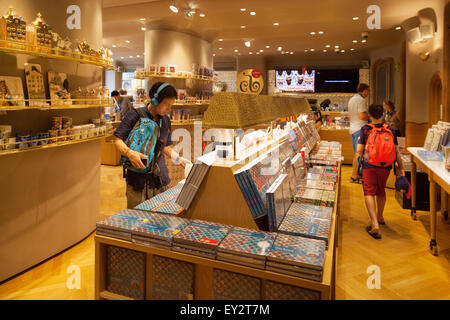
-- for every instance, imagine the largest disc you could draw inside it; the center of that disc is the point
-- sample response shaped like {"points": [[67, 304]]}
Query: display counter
{"points": [[342, 136]]}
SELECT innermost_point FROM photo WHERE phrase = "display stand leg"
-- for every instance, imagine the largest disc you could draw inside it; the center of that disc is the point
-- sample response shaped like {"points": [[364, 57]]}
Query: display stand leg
{"points": [[413, 187], [444, 203], [433, 242]]}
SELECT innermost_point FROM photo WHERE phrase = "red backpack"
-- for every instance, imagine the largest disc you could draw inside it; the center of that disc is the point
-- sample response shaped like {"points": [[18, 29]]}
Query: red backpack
{"points": [[380, 148]]}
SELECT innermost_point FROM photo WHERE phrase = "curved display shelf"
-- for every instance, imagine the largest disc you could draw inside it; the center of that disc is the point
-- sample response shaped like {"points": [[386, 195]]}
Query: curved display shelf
{"points": [[9, 46], [180, 103], [183, 123], [48, 145], [146, 76], [52, 104]]}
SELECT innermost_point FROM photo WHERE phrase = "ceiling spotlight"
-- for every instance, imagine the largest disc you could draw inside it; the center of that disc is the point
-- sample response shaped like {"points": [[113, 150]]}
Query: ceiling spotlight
{"points": [[114, 46], [261, 50], [267, 47], [320, 32], [398, 28], [257, 53], [292, 52], [142, 19], [173, 8], [337, 47], [214, 54], [138, 56], [220, 40], [121, 57], [144, 29], [252, 13], [236, 50], [355, 41], [220, 48], [131, 57], [312, 50], [282, 52], [276, 24], [312, 33], [250, 53], [247, 44], [306, 50], [355, 18], [342, 51], [242, 27], [202, 15], [328, 46], [280, 48], [364, 41], [325, 50], [352, 49], [243, 9], [127, 41]]}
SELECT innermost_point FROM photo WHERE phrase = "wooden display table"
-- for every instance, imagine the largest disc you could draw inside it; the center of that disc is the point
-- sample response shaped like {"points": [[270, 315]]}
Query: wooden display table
{"points": [[436, 175], [342, 136]]}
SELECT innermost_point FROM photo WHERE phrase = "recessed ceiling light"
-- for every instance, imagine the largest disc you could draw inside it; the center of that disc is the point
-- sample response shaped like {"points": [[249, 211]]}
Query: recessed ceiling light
{"points": [[220, 40], [342, 51], [364, 41], [355, 41], [236, 50], [337, 47], [114, 46], [127, 41], [306, 50], [257, 53], [173, 8], [142, 19], [267, 47], [214, 54], [352, 49], [398, 28], [131, 57], [320, 32], [355, 18], [292, 52], [220, 48], [252, 13], [247, 44], [282, 52], [250, 53], [121, 57], [312, 50], [242, 27], [280, 48], [325, 50], [312, 33], [202, 15], [138, 56], [328, 46], [144, 29], [261, 50], [276, 24], [243, 9]]}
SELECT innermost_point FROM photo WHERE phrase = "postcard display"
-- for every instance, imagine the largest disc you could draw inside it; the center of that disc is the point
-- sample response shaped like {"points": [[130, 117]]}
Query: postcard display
{"points": [[295, 251]]}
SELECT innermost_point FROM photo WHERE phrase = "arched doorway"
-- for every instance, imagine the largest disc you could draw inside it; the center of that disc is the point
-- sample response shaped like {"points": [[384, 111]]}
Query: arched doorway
{"points": [[435, 99]]}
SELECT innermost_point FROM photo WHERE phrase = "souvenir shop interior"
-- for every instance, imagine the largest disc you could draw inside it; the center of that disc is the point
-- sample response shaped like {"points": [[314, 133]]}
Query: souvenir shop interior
{"points": [[268, 196]]}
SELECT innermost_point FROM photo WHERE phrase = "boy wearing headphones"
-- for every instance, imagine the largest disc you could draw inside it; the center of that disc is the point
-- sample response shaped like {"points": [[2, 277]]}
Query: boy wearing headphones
{"points": [[142, 186]]}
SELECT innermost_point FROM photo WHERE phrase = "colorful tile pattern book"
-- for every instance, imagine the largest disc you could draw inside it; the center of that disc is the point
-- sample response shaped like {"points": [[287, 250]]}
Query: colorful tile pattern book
{"points": [[431, 155], [203, 233], [315, 228], [317, 184], [242, 241], [161, 226], [164, 202], [122, 223], [299, 251], [312, 211]]}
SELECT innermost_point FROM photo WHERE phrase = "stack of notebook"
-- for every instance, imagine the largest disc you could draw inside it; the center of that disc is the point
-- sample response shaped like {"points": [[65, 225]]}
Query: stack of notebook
{"points": [[200, 238], [317, 184], [278, 201], [192, 184], [306, 226], [121, 224], [164, 202], [297, 256], [246, 247], [312, 211], [158, 230], [315, 197]]}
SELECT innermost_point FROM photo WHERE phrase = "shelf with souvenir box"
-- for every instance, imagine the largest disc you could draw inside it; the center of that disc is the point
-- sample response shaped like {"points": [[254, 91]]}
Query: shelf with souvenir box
{"points": [[171, 72]]}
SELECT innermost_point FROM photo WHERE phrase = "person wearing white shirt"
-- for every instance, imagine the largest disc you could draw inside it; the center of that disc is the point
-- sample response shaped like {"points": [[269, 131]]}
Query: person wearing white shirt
{"points": [[357, 109]]}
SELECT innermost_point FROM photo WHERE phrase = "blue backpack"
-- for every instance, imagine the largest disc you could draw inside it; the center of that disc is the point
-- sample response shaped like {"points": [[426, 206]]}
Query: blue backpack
{"points": [[143, 139]]}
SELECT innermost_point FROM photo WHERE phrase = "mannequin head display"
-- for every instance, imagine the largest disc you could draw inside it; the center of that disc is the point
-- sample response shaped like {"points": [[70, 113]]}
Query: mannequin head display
{"points": [[162, 96]]}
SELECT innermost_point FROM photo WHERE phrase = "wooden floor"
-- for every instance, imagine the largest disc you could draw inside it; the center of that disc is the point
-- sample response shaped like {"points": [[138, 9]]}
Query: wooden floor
{"points": [[408, 270]]}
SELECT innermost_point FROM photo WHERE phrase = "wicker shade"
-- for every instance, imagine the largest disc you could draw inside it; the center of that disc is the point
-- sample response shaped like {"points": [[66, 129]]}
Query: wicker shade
{"points": [[236, 110]]}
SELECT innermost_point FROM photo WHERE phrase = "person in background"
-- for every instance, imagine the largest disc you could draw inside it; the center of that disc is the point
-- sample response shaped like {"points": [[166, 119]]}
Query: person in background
{"points": [[143, 186], [123, 92], [123, 103], [318, 122], [375, 177], [391, 117], [357, 109]]}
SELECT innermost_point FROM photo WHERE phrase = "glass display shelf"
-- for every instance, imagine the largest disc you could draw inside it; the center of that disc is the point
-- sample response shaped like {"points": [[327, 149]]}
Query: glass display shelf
{"points": [[9, 46], [53, 142], [52, 104]]}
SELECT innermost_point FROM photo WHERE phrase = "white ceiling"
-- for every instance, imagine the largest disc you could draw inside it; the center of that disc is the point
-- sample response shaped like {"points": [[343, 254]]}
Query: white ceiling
{"points": [[296, 18]]}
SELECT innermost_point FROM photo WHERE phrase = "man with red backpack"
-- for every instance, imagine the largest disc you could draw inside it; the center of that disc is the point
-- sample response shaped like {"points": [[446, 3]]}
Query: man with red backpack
{"points": [[378, 151]]}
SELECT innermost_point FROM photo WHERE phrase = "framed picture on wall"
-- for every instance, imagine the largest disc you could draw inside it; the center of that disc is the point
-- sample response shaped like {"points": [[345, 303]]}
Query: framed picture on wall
{"points": [[59, 88], [11, 91], [35, 83]]}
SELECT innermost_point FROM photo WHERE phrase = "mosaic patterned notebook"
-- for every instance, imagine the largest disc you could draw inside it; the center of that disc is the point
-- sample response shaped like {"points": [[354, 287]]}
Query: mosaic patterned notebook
{"points": [[125, 220], [317, 184], [312, 211], [297, 224], [161, 226], [163, 202], [203, 233], [299, 251], [242, 241], [275, 203]]}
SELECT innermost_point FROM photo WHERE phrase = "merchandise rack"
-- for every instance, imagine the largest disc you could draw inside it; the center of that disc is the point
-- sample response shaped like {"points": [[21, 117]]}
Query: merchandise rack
{"points": [[54, 104], [49, 145], [147, 76], [9, 46]]}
